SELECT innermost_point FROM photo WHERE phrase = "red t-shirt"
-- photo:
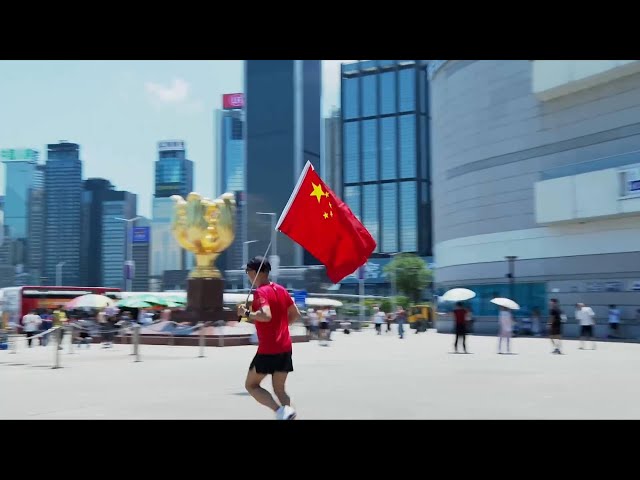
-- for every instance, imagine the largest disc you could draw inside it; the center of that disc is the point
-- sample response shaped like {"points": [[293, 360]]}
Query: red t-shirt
{"points": [[461, 316], [273, 336]]}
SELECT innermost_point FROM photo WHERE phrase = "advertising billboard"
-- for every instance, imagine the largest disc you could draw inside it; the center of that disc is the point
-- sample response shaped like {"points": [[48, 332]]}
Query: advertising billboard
{"points": [[141, 235], [232, 101]]}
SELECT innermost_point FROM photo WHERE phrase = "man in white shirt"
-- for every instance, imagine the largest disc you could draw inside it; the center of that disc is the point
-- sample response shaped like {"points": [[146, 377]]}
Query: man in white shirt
{"points": [[586, 319], [31, 323], [378, 319]]}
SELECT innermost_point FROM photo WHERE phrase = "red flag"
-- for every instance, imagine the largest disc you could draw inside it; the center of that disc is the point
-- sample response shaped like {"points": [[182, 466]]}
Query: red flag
{"points": [[324, 225]]}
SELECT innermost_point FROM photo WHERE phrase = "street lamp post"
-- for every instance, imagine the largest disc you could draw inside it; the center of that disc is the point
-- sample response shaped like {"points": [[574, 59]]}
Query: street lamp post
{"points": [[129, 249], [511, 275], [59, 266], [245, 260], [394, 281], [274, 239]]}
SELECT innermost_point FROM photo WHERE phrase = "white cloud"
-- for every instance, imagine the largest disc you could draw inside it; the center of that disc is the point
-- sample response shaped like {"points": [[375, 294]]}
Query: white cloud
{"points": [[176, 93]]}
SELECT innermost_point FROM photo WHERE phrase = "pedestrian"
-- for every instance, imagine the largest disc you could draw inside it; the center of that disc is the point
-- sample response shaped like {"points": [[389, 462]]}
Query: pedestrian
{"points": [[105, 329], [459, 315], [46, 324], [505, 321], [272, 311], [388, 320], [536, 326], [324, 327], [31, 324], [333, 318], [555, 326], [378, 319], [586, 319], [314, 322], [470, 321], [401, 318], [614, 321], [60, 321]]}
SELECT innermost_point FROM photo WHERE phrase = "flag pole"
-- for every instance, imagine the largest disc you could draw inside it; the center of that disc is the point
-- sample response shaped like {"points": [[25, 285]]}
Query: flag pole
{"points": [[246, 303]]}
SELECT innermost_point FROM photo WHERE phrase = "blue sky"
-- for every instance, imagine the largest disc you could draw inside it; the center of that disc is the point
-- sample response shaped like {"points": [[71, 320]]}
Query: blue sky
{"points": [[118, 110]]}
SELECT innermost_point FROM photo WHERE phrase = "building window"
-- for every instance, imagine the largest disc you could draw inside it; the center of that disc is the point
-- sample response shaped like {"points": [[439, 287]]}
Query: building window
{"points": [[424, 88], [388, 93], [389, 226], [236, 129], [352, 199], [388, 148], [424, 147], [351, 152], [370, 217], [407, 90], [408, 217], [407, 146], [350, 93], [369, 97], [369, 151]]}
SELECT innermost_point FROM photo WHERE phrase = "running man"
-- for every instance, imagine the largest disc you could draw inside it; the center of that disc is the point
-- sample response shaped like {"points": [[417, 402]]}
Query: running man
{"points": [[272, 311]]}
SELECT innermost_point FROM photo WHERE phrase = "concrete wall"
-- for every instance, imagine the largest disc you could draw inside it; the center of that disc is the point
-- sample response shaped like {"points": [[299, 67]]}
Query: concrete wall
{"points": [[492, 139]]}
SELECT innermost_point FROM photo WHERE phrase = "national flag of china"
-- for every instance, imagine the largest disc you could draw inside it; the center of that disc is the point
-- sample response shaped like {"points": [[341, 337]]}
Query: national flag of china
{"points": [[324, 225]]}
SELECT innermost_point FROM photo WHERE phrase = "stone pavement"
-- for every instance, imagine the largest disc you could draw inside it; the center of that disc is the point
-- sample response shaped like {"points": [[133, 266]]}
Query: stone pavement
{"points": [[359, 376]]}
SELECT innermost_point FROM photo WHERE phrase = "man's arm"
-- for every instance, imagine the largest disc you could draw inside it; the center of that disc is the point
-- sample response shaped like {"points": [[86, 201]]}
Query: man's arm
{"points": [[293, 313], [262, 315]]}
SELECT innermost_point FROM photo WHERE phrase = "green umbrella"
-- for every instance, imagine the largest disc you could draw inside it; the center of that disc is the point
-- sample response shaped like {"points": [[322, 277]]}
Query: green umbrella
{"points": [[174, 304], [133, 303], [176, 298]]}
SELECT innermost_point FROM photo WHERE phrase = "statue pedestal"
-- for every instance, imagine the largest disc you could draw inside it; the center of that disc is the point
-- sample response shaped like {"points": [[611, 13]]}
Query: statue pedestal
{"points": [[204, 302]]}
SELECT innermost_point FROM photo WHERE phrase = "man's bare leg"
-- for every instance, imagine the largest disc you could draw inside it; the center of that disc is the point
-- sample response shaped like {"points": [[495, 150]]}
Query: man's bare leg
{"points": [[278, 380], [252, 384]]}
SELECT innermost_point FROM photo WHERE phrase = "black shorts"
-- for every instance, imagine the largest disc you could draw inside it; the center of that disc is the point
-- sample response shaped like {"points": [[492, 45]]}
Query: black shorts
{"points": [[586, 330], [461, 329], [324, 325], [614, 325], [556, 329], [267, 364]]}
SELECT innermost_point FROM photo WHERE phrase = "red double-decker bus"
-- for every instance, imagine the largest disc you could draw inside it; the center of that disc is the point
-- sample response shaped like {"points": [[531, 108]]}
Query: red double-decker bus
{"points": [[15, 302]]}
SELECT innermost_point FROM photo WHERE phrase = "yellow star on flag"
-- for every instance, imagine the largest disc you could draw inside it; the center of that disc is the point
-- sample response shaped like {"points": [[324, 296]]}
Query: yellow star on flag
{"points": [[326, 215], [331, 213], [317, 191]]}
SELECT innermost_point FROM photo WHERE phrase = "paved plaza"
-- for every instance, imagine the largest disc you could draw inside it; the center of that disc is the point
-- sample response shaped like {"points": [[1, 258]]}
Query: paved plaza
{"points": [[359, 376]]}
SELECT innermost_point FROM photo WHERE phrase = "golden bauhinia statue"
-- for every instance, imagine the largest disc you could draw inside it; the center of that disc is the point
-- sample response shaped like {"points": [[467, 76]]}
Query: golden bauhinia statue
{"points": [[204, 227]]}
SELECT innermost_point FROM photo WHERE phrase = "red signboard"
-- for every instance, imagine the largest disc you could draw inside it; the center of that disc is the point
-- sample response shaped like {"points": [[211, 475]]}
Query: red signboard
{"points": [[232, 101]]}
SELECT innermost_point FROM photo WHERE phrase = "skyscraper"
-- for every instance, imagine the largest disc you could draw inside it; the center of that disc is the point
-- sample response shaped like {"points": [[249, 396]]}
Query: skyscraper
{"points": [[141, 254], [36, 227], [174, 176], [230, 171], [283, 132], [116, 206], [174, 173], [386, 152], [21, 165], [63, 196], [332, 165]]}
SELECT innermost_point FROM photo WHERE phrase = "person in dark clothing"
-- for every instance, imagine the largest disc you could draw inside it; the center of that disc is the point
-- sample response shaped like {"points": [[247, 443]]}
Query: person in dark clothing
{"points": [[555, 325], [459, 316]]}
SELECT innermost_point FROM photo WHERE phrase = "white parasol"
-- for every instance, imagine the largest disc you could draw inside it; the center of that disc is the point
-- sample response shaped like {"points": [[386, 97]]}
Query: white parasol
{"points": [[458, 295], [506, 302]]}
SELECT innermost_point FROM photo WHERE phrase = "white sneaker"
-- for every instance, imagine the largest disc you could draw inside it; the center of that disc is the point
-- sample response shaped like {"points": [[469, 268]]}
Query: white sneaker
{"points": [[286, 413]]}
